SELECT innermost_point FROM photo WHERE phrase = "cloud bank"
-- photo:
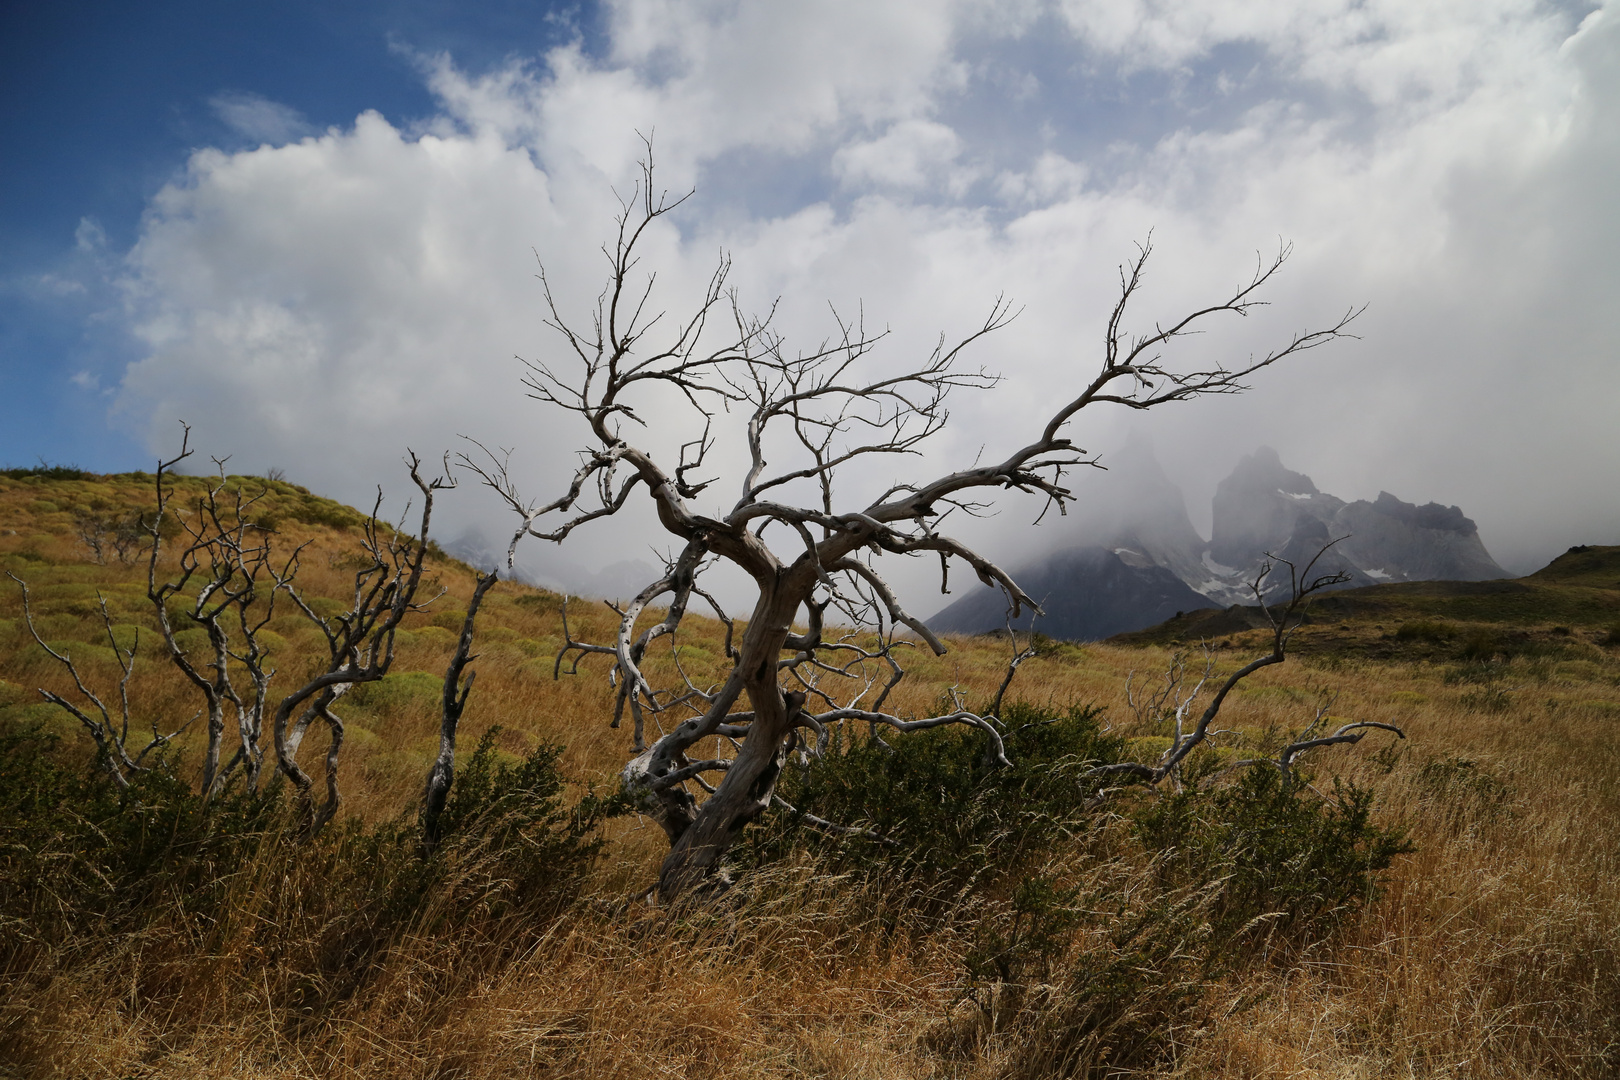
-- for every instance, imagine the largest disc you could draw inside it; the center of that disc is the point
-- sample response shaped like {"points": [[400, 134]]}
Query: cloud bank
{"points": [[321, 302]]}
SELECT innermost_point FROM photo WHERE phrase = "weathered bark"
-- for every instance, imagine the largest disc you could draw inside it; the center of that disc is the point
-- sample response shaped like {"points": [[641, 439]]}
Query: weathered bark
{"points": [[742, 795]]}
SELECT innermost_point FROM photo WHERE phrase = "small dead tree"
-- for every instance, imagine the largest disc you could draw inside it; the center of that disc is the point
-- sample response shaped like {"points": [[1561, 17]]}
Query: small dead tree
{"points": [[359, 641], [819, 408], [226, 557], [1175, 701], [120, 535], [226, 580], [453, 703], [107, 728]]}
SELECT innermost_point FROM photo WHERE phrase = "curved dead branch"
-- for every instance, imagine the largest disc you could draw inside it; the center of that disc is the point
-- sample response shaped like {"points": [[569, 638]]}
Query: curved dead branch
{"points": [[1175, 701]]}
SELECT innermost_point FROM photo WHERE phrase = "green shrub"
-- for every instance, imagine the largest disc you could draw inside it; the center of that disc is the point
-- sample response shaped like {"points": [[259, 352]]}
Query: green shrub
{"points": [[506, 819], [84, 867], [1021, 945], [314, 510], [937, 807], [1480, 645], [399, 692], [1423, 630], [1096, 985], [79, 859], [1291, 864]]}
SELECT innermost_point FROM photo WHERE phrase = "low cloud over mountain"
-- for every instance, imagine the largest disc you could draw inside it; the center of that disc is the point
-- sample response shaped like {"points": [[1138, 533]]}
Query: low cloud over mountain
{"points": [[1136, 558]]}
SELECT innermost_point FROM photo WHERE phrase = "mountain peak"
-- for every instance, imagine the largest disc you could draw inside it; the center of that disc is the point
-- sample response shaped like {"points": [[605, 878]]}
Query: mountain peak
{"points": [[1265, 507], [1136, 557], [1264, 469]]}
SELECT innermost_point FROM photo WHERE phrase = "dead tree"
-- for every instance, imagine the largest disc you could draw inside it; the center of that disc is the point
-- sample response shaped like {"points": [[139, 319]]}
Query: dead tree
{"points": [[121, 535], [359, 641], [442, 774], [226, 556], [820, 409], [1175, 701], [226, 581], [108, 729]]}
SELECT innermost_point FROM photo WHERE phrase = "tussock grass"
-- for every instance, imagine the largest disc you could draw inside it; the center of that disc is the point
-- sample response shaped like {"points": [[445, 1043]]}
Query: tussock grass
{"points": [[1492, 950]]}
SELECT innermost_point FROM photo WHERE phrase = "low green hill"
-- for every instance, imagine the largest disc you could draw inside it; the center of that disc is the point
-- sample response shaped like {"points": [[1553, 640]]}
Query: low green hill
{"points": [[1572, 601]]}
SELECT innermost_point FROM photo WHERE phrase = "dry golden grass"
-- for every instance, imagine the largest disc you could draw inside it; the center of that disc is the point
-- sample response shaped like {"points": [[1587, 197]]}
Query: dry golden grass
{"points": [[1494, 951]]}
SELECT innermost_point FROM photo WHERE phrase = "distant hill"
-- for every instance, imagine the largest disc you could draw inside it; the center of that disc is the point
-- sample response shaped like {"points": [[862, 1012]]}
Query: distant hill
{"points": [[1136, 559], [1576, 596]]}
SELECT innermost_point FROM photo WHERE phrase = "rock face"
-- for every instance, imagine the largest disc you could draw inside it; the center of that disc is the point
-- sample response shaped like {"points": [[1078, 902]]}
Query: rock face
{"points": [[1134, 559], [1258, 507], [1264, 507]]}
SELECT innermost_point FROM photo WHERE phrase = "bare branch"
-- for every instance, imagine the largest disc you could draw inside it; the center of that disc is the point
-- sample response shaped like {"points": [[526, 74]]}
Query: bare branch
{"points": [[1171, 699]]}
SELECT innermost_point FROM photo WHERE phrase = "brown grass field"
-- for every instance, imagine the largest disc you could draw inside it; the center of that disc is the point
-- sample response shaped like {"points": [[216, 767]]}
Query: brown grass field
{"points": [[1493, 949]]}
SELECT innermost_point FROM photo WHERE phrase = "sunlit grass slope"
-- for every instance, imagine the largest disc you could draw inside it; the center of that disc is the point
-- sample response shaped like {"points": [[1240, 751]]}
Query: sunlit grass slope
{"points": [[1492, 951]]}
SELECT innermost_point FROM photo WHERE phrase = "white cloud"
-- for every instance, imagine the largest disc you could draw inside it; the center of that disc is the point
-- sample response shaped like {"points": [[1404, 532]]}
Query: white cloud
{"points": [[911, 154], [57, 286], [258, 118], [324, 303]]}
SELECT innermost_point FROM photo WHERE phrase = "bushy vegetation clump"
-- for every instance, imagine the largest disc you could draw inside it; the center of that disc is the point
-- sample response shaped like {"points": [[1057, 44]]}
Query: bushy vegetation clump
{"points": [[1078, 957], [1286, 862], [46, 473], [935, 805], [89, 872]]}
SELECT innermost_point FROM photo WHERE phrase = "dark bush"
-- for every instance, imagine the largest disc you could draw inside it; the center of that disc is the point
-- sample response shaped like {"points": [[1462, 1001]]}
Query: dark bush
{"points": [[1481, 646], [80, 860], [939, 808], [47, 472], [505, 821], [1291, 863], [1423, 630], [84, 866]]}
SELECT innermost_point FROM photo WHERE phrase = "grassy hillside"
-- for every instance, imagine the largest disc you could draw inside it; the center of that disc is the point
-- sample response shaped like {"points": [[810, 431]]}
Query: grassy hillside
{"points": [[1557, 612], [1488, 951]]}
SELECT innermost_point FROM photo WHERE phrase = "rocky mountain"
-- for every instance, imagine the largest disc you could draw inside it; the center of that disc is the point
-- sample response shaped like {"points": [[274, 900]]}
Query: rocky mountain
{"points": [[1263, 506], [1135, 558]]}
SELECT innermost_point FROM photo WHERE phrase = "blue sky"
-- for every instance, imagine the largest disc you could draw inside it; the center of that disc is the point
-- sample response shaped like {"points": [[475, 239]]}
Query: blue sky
{"points": [[311, 230], [102, 106]]}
